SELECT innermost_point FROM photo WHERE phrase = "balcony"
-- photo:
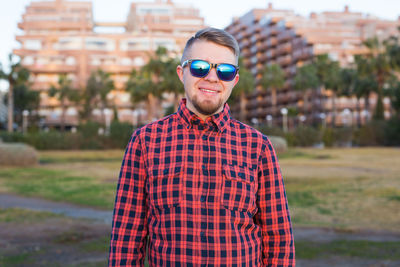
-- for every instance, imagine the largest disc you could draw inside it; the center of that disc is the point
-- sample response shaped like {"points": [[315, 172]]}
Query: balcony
{"points": [[285, 49], [274, 30], [285, 60], [285, 36], [52, 68]]}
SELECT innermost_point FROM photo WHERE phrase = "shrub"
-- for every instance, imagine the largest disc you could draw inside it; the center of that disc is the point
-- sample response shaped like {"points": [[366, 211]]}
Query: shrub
{"points": [[120, 133], [371, 134], [17, 154], [337, 136], [12, 137], [271, 131], [303, 136], [279, 143], [392, 132], [53, 140]]}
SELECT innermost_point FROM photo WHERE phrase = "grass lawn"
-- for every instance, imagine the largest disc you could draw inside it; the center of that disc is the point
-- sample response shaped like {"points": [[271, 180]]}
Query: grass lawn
{"points": [[357, 188]]}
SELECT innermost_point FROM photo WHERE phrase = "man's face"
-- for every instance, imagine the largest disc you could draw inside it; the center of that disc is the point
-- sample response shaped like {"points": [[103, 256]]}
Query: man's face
{"points": [[206, 96]]}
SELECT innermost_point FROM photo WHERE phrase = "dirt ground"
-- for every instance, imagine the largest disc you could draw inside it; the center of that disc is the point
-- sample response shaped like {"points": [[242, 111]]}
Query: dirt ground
{"points": [[56, 241], [64, 241]]}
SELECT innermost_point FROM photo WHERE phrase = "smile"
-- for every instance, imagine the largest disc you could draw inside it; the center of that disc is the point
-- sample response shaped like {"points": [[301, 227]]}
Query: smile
{"points": [[209, 90]]}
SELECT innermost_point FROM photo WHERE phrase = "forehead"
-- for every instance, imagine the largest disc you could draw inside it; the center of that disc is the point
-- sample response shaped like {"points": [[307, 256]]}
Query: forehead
{"points": [[211, 52]]}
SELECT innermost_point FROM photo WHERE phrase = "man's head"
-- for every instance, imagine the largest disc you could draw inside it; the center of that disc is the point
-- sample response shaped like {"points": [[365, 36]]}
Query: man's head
{"points": [[206, 94]]}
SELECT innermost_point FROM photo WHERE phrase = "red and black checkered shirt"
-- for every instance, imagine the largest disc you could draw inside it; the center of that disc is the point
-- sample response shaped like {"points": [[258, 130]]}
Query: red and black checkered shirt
{"points": [[200, 193]]}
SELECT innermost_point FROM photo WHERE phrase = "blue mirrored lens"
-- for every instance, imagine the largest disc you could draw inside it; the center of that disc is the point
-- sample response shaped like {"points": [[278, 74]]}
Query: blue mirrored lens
{"points": [[226, 72], [199, 68]]}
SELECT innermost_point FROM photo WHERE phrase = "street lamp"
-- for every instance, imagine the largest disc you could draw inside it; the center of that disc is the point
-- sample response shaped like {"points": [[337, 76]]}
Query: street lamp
{"points": [[347, 119], [284, 112], [322, 116], [25, 115], [269, 120], [302, 119], [107, 114]]}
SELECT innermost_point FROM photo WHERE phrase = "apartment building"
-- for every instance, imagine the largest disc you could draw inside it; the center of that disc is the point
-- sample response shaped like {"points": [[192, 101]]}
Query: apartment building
{"points": [[61, 37], [268, 36]]}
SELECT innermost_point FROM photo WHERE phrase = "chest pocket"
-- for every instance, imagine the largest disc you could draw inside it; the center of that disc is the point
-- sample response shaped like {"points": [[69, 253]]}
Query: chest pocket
{"points": [[238, 192], [165, 189]]}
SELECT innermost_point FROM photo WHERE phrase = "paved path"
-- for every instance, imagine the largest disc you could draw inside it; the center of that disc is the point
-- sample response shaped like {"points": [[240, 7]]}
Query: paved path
{"points": [[13, 201], [300, 233]]}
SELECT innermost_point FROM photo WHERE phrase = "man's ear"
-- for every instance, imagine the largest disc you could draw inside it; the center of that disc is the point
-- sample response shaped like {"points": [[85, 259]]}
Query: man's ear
{"points": [[179, 71], [236, 79]]}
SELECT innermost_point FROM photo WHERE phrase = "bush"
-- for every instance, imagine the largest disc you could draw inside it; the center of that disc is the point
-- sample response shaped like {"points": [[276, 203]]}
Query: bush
{"points": [[53, 140], [271, 131], [392, 132], [12, 137], [371, 134], [120, 133], [17, 154], [279, 143], [303, 136], [337, 137]]}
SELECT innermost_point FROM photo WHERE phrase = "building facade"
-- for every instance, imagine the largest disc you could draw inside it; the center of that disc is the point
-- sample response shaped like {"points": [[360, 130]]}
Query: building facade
{"points": [[271, 36], [61, 37]]}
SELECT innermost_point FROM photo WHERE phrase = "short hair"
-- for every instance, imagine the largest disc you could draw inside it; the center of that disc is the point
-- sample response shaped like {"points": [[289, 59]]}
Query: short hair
{"points": [[216, 36]]}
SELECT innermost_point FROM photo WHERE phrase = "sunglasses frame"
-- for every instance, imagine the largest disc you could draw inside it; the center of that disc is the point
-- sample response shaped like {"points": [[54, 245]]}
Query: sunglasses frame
{"points": [[212, 65]]}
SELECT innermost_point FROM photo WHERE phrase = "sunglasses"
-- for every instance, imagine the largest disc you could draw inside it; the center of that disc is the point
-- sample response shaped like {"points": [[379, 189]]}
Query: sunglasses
{"points": [[200, 69]]}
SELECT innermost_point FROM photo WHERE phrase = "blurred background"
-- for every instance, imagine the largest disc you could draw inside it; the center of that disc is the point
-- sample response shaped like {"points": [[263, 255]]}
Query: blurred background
{"points": [[321, 80]]}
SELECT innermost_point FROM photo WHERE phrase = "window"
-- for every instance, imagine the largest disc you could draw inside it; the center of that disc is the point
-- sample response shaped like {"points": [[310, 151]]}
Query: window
{"points": [[33, 44], [28, 60]]}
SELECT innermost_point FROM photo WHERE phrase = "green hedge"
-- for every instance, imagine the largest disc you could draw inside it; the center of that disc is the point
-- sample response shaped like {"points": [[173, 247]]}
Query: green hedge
{"points": [[375, 133], [86, 137]]}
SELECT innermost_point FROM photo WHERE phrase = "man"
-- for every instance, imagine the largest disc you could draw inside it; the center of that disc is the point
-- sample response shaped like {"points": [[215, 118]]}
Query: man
{"points": [[199, 188]]}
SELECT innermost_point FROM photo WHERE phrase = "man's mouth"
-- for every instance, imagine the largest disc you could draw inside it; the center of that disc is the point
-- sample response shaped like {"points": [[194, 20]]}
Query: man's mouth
{"points": [[210, 91]]}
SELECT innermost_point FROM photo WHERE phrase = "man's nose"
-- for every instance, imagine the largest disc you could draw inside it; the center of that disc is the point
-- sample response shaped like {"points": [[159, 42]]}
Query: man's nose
{"points": [[212, 75]]}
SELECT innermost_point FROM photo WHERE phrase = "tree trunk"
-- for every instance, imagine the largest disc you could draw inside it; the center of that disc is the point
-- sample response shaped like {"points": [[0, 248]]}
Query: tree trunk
{"points": [[333, 109], [273, 97], [62, 121], [305, 102], [366, 107], [10, 114], [358, 113], [150, 107]]}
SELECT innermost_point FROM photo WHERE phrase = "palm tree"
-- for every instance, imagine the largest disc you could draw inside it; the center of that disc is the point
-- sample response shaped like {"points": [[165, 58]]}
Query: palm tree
{"points": [[158, 76], [305, 79], [328, 73], [99, 85], [273, 78], [64, 92], [25, 99], [378, 61], [244, 87], [170, 82], [349, 82], [16, 75], [142, 88]]}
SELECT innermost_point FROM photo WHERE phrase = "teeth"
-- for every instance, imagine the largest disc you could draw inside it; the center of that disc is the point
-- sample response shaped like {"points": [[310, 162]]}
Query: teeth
{"points": [[206, 90]]}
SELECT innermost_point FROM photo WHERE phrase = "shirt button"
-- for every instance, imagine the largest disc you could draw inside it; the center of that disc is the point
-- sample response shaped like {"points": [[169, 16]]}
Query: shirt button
{"points": [[204, 138], [204, 167], [202, 198]]}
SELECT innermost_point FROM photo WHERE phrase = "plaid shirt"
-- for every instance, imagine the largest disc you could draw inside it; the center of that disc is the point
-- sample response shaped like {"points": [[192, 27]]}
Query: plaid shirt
{"points": [[200, 193]]}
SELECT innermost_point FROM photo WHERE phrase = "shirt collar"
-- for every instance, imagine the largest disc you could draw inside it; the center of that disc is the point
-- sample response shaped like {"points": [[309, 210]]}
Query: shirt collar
{"points": [[221, 119]]}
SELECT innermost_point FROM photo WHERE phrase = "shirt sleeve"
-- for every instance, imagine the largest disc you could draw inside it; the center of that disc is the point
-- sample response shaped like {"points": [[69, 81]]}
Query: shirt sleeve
{"points": [[129, 227], [273, 215]]}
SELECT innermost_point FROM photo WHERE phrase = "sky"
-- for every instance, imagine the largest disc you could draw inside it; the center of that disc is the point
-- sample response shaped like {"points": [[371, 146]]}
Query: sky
{"points": [[217, 13]]}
